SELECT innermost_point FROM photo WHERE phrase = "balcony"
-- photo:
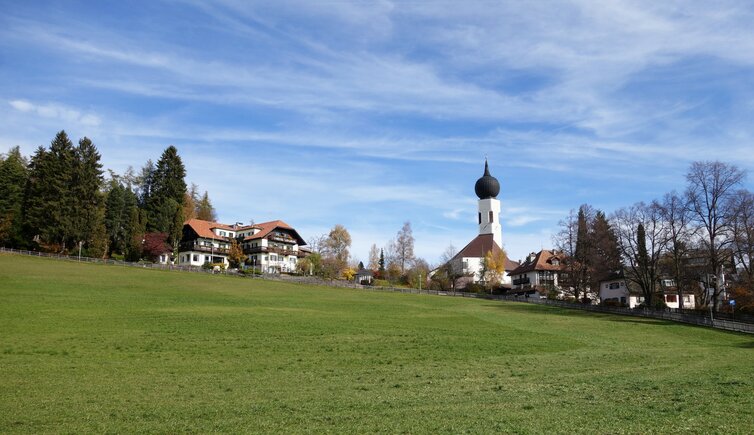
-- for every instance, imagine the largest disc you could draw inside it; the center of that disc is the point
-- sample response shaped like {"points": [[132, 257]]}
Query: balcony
{"points": [[201, 247], [521, 281], [272, 250]]}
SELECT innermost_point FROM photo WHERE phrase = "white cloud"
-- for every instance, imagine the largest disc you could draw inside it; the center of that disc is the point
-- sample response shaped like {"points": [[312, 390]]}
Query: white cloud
{"points": [[56, 111]]}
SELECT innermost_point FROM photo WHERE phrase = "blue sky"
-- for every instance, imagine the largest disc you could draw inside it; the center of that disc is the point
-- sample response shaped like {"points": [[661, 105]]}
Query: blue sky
{"points": [[372, 113]]}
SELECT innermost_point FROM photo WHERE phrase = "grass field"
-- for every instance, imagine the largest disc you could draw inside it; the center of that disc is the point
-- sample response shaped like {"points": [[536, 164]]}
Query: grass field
{"points": [[92, 348]]}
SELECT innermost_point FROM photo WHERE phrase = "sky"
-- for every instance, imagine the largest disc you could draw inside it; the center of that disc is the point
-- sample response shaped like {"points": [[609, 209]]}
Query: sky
{"points": [[373, 113]]}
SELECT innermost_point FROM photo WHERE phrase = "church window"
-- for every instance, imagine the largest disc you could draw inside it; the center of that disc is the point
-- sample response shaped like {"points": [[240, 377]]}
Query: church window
{"points": [[492, 217], [480, 217]]}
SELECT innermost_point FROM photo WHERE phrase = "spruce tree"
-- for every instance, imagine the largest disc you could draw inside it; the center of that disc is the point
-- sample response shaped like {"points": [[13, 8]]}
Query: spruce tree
{"points": [[204, 209], [61, 204], [136, 231], [176, 228], [87, 213], [168, 188], [13, 177], [48, 203]]}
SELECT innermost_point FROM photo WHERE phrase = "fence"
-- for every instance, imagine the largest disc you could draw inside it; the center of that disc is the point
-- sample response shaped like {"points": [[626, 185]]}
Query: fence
{"points": [[689, 317]]}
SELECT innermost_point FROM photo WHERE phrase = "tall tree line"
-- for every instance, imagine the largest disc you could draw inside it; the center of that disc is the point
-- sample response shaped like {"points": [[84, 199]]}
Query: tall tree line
{"points": [[59, 200], [700, 240]]}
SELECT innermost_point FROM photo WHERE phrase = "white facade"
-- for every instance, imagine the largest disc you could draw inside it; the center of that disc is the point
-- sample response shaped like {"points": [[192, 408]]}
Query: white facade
{"points": [[194, 258], [617, 290], [276, 256], [489, 219]]}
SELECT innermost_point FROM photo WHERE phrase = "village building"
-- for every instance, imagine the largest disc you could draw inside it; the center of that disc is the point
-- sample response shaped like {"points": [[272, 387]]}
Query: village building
{"points": [[271, 247], [540, 273], [617, 290], [468, 262]]}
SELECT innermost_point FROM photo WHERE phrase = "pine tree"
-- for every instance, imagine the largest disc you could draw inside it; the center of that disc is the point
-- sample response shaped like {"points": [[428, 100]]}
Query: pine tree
{"points": [[168, 188], [13, 178], [136, 231], [144, 184], [382, 261], [115, 215], [605, 253], [176, 228], [48, 204], [204, 209], [87, 213]]}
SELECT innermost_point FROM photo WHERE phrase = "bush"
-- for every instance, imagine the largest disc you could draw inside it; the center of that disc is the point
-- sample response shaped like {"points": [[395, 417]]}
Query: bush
{"points": [[611, 303], [381, 283], [475, 288]]}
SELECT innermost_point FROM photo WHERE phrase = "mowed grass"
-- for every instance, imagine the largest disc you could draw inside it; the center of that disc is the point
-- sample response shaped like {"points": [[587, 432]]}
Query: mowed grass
{"points": [[92, 348]]}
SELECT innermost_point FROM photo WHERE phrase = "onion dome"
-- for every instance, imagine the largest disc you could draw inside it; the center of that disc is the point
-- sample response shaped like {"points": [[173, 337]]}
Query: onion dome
{"points": [[487, 186]]}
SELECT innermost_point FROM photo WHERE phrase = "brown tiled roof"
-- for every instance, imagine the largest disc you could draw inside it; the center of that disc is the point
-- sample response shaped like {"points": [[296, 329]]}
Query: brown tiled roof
{"points": [[268, 227], [541, 261], [480, 246], [204, 228]]}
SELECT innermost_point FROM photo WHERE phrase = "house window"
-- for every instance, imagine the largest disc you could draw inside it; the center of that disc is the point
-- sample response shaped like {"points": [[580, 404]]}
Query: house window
{"points": [[614, 285], [671, 298], [196, 257], [623, 300], [492, 217]]}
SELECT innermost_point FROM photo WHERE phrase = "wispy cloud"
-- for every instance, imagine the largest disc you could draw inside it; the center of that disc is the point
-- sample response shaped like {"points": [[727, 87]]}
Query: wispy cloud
{"points": [[56, 111]]}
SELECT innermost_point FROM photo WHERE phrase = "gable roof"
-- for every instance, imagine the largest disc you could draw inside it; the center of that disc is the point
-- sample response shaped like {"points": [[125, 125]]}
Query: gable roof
{"points": [[542, 260], [268, 227], [480, 246], [204, 228]]}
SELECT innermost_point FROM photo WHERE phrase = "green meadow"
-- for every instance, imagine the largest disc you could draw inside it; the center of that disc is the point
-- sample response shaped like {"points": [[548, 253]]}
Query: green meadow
{"points": [[93, 348]]}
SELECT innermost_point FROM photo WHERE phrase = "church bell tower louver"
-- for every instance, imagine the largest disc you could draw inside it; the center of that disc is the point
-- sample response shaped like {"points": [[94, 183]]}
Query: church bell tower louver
{"points": [[487, 188]]}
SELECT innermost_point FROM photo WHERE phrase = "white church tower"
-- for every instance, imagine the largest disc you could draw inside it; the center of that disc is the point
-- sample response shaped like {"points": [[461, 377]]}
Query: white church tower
{"points": [[487, 189]]}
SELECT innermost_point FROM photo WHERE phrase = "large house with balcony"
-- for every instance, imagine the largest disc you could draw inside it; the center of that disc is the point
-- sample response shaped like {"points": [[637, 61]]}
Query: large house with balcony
{"points": [[271, 247], [539, 273]]}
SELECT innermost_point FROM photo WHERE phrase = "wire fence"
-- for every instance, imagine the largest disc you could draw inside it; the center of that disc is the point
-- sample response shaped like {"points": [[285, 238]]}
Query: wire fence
{"points": [[713, 320]]}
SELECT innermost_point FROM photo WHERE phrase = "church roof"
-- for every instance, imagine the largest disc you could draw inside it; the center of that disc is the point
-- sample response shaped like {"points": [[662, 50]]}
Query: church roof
{"points": [[480, 246]]}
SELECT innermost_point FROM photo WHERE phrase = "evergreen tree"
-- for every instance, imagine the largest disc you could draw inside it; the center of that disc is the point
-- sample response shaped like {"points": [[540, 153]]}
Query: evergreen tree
{"points": [[605, 253], [583, 253], [144, 184], [168, 188], [204, 209], [13, 178], [176, 228], [382, 261], [87, 213], [48, 204], [115, 217], [136, 231], [119, 201], [97, 240]]}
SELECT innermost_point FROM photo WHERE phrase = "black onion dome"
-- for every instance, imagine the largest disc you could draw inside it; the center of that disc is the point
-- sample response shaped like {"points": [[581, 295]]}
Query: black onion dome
{"points": [[487, 186]]}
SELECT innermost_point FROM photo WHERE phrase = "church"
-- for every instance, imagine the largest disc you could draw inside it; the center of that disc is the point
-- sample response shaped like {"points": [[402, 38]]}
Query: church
{"points": [[468, 261]]}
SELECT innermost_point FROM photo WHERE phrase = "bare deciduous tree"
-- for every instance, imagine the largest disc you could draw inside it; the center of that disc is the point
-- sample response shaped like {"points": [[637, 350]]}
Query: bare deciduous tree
{"points": [[711, 193], [640, 232], [674, 213], [403, 247]]}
